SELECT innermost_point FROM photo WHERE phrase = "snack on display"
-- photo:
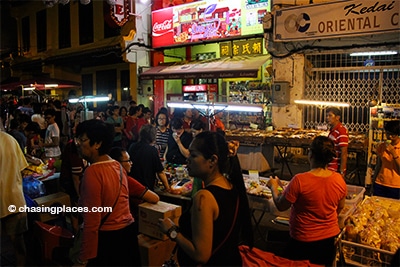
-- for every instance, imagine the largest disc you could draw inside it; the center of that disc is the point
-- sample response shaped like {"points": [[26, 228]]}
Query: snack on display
{"points": [[375, 223], [259, 187]]}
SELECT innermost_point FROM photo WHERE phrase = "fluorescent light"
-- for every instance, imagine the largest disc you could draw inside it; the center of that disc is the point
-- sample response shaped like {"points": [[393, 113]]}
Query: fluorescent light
{"points": [[29, 88], [374, 53], [89, 99], [244, 108], [321, 103], [50, 85], [179, 105], [95, 99], [217, 106]]}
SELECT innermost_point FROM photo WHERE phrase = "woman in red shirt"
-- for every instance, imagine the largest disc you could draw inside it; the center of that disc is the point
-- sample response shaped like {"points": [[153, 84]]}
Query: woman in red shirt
{"points": [[316, 198], [108, 237]]}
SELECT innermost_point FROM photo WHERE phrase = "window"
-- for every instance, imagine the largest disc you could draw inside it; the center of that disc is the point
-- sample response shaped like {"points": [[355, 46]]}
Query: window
{"points": [[86, 24], [125, 87], [341, 78], [64, 28], [26, 36], [41, 30]]}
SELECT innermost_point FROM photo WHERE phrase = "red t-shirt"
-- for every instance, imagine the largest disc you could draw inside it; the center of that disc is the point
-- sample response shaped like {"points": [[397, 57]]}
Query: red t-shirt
{"points": [[100, 186], [314, 205], [340, 138]]}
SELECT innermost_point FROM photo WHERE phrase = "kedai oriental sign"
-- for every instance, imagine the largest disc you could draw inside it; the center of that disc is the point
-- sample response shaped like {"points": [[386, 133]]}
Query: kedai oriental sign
{"points": [[207, 20], [336, 19]]}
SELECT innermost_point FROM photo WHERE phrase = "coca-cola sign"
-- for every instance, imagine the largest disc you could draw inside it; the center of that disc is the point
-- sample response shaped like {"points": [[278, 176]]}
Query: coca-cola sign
{"points": [[205, 21], [162, 29]]}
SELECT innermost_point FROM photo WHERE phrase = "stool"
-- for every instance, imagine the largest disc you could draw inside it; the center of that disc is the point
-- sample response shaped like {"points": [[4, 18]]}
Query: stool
{"points": [[51, 237]]}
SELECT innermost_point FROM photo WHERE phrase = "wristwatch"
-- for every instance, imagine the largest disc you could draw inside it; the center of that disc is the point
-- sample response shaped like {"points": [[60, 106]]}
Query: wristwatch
{"points": [[173, 232]]}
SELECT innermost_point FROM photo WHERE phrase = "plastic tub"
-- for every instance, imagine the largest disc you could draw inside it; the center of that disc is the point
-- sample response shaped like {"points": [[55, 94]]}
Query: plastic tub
{"points": [[355, 195]]}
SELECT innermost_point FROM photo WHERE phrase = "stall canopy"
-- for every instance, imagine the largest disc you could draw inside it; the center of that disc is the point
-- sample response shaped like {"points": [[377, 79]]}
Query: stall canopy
{"points": [[236, 67], [39, 83]]}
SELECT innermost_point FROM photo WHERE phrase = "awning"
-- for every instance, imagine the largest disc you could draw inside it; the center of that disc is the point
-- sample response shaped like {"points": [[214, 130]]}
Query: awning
{"points": [[40, 83], [236, 67]]}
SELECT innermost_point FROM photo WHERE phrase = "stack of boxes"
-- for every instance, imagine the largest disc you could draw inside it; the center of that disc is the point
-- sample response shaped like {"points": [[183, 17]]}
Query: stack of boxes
{"points": [[155, 247]]}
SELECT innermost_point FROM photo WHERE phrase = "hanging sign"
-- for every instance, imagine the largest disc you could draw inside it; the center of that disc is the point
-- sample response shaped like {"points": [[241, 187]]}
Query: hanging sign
{"points": [[120, 11], [336, 19]]}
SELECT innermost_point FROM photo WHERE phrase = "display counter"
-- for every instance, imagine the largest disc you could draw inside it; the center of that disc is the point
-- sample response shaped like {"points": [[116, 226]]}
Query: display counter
{"points": [[281, 140]]}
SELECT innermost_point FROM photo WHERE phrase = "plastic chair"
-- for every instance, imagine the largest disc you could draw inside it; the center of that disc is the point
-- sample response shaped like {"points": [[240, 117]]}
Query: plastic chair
{"points": [[51, 237]]}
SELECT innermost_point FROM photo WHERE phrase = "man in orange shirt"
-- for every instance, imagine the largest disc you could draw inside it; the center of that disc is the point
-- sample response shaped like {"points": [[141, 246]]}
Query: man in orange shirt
{"points": [[217, 124]]}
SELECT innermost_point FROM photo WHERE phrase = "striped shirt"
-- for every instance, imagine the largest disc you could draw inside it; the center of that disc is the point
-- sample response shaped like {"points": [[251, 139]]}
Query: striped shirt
{"points": [[340, 138], [162, 141]]}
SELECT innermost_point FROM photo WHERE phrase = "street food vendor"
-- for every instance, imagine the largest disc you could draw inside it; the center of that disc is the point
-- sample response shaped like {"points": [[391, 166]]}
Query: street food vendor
{"points": [[316, 198], [340, 137]]}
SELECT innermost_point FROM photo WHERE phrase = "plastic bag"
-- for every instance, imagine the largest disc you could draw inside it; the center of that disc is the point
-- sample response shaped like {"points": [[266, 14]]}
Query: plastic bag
{"points": [[33, 187]]}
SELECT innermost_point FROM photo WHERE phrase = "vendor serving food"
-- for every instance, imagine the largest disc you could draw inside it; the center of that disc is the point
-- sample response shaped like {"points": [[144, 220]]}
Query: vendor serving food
{"points": [[316, 198]]}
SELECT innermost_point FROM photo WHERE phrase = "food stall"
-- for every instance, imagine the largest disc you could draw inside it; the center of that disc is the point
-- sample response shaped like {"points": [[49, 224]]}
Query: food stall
{"points": [[280, 141]]}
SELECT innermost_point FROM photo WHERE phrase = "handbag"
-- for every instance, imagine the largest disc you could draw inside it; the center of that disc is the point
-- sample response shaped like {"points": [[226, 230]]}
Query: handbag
{"points": [[76, 247]]}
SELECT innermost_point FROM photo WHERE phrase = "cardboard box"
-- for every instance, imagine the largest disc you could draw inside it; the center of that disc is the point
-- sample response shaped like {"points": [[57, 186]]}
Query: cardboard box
{"points": [[154, 252], [150, 213], [52, 201]]}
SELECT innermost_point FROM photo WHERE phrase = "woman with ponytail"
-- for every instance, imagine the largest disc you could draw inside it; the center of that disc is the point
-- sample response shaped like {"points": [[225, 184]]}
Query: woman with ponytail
{"points": [[219, 218], [316, 198]]}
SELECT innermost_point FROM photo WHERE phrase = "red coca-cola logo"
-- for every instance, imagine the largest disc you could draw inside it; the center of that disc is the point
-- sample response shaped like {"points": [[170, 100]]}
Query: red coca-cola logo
{"points": [[162, 28]]}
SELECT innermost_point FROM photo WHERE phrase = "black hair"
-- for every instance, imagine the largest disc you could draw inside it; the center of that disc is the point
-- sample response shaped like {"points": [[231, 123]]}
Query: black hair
{"points": [[33, 127], [24, 118], [392, 127], [176, 123], [323, 150], [50, 111], [198, 124], [162, 113], [213, 143], [14, 124], [121, 108], [334, 110], [133, 110], [116, 153], [147, 133], [98, 132]]}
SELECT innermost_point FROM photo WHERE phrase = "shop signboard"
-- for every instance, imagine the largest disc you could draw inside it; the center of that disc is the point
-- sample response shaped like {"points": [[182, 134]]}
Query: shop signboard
{"points": [[241, 47], [336, 19], [207, 21]]}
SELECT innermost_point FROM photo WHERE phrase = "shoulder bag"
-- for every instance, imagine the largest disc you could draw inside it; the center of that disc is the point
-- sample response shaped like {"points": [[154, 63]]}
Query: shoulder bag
{"points": [[76, 248]]}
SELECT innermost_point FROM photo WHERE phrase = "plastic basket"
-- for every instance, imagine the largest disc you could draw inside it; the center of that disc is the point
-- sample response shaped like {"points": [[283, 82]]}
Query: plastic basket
{"points": [[361, 255]]}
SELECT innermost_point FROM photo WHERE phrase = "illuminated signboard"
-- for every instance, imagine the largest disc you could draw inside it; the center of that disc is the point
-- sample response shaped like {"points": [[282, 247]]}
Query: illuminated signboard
{"points": [[207, 20], [241, 47]]}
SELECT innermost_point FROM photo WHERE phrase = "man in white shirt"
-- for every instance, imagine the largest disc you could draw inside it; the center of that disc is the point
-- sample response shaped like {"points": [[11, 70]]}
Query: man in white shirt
{"points": [[52, 138]]}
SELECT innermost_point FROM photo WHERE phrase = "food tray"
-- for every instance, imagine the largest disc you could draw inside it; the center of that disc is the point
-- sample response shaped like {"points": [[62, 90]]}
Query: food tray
{"points": [[361, 255]]}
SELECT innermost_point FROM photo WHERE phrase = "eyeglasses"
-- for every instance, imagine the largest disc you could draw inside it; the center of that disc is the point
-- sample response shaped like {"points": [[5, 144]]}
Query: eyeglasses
{"points": [[128, 160], [79, 140]]}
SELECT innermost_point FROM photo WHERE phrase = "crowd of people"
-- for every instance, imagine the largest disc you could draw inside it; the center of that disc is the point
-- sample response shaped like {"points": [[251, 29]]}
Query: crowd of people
{"points": [[117, 158]]}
